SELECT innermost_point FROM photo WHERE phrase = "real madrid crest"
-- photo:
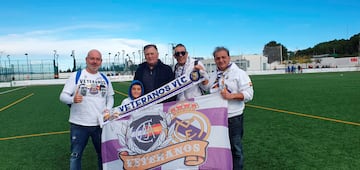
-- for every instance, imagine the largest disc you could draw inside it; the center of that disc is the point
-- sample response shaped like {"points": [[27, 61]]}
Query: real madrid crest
{"points": [[189, 123], [195, 75]]}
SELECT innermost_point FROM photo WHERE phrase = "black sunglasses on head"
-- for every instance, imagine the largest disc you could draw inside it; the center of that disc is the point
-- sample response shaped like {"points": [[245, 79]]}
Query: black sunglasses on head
{"points": [[177, 54]]}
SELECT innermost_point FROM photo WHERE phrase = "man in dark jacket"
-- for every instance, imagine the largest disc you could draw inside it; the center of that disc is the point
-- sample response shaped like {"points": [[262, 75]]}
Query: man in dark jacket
{"points": [[153, 73]]}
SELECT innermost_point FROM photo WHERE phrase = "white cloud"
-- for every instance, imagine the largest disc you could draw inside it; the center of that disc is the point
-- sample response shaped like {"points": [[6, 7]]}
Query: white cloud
{"points": [[40, 44]]}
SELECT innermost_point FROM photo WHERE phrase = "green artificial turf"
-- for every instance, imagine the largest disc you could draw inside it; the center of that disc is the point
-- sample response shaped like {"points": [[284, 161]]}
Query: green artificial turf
{"points": [[295, 121]]}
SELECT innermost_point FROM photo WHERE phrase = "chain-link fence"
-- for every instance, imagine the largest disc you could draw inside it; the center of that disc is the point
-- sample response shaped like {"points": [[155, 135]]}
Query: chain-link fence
{"points": [[48, 69], [26, 70], [111, 68]]}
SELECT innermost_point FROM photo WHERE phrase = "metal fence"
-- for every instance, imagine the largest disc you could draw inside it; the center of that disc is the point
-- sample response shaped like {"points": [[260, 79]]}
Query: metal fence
{"points": [[26, 70], [48, 69], [112, 68]]}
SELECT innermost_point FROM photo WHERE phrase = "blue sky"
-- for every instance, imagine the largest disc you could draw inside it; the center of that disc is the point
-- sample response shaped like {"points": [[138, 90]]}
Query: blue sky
{"points": [[38, 27]]}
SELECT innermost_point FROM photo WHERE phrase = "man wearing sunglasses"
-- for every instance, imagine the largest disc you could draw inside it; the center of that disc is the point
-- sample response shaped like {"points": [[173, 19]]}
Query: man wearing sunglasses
{"points": [[153, 73], [185, 65]]}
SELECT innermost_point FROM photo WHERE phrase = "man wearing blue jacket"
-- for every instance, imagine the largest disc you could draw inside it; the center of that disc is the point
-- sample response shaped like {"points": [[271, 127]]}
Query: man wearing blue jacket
{"points": [[153, 73]]}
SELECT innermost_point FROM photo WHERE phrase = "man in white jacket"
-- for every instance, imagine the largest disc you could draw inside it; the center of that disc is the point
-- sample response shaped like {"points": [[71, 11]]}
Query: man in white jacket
{"points": [[89, 94], [185, 65], [235, 86]]}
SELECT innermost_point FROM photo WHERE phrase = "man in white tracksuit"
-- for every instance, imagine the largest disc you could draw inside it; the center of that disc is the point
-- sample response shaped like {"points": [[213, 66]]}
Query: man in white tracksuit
{"points": [[235, 86], [185, 65]]}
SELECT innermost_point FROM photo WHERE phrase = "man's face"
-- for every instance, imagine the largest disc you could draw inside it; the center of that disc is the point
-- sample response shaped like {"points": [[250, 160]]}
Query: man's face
{"points": [[93, 61], [151, 56], [222, 60], [180, 55], [136, 91]]}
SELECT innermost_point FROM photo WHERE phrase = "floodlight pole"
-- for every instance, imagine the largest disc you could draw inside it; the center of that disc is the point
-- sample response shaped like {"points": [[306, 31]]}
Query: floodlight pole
{"points": [[281, 55], [27, 62], [114, 63], [172, 51], [123, 56], [133, 53], [115, 58], [109, 62], [165, 58], [8, 56], [56, 65], [74, 61], [140, 57], [118, 58], [1, 52]]}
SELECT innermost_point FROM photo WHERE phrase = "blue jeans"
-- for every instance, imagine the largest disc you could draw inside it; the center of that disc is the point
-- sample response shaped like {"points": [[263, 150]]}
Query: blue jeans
{"points": [[235, 134], [79, 136]]}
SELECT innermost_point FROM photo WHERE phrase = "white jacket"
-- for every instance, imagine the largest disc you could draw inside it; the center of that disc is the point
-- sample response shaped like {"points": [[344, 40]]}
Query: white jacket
{"points": [[235, 80], [193, 91]]}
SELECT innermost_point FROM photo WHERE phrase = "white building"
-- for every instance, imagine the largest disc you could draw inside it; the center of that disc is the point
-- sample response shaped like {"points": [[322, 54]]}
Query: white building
{"points": [[327, 61], [251, 62]]}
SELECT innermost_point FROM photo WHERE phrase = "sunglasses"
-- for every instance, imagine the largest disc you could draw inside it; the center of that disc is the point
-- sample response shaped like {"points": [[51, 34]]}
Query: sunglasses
{"points": [[177, 54]]}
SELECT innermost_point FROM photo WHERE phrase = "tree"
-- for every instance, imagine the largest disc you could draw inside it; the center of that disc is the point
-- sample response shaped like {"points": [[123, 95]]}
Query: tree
{"points": [[337, 48]]}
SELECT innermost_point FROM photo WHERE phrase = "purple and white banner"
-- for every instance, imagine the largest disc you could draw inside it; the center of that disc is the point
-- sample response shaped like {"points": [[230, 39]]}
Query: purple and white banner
{"points": [[183, 135], [166, 91]]}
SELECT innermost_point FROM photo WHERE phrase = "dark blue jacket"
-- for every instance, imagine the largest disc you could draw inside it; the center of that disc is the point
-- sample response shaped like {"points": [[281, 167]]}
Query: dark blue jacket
{"points": [[163, 72]]}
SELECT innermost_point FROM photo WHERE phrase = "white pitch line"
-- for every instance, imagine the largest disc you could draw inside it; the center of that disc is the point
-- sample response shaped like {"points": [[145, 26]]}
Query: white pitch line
{"points": [[8, 91]]}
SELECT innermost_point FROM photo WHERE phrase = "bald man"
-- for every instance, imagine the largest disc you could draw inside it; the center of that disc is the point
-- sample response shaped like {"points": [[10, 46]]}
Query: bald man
{"points": [[89, 94]]}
